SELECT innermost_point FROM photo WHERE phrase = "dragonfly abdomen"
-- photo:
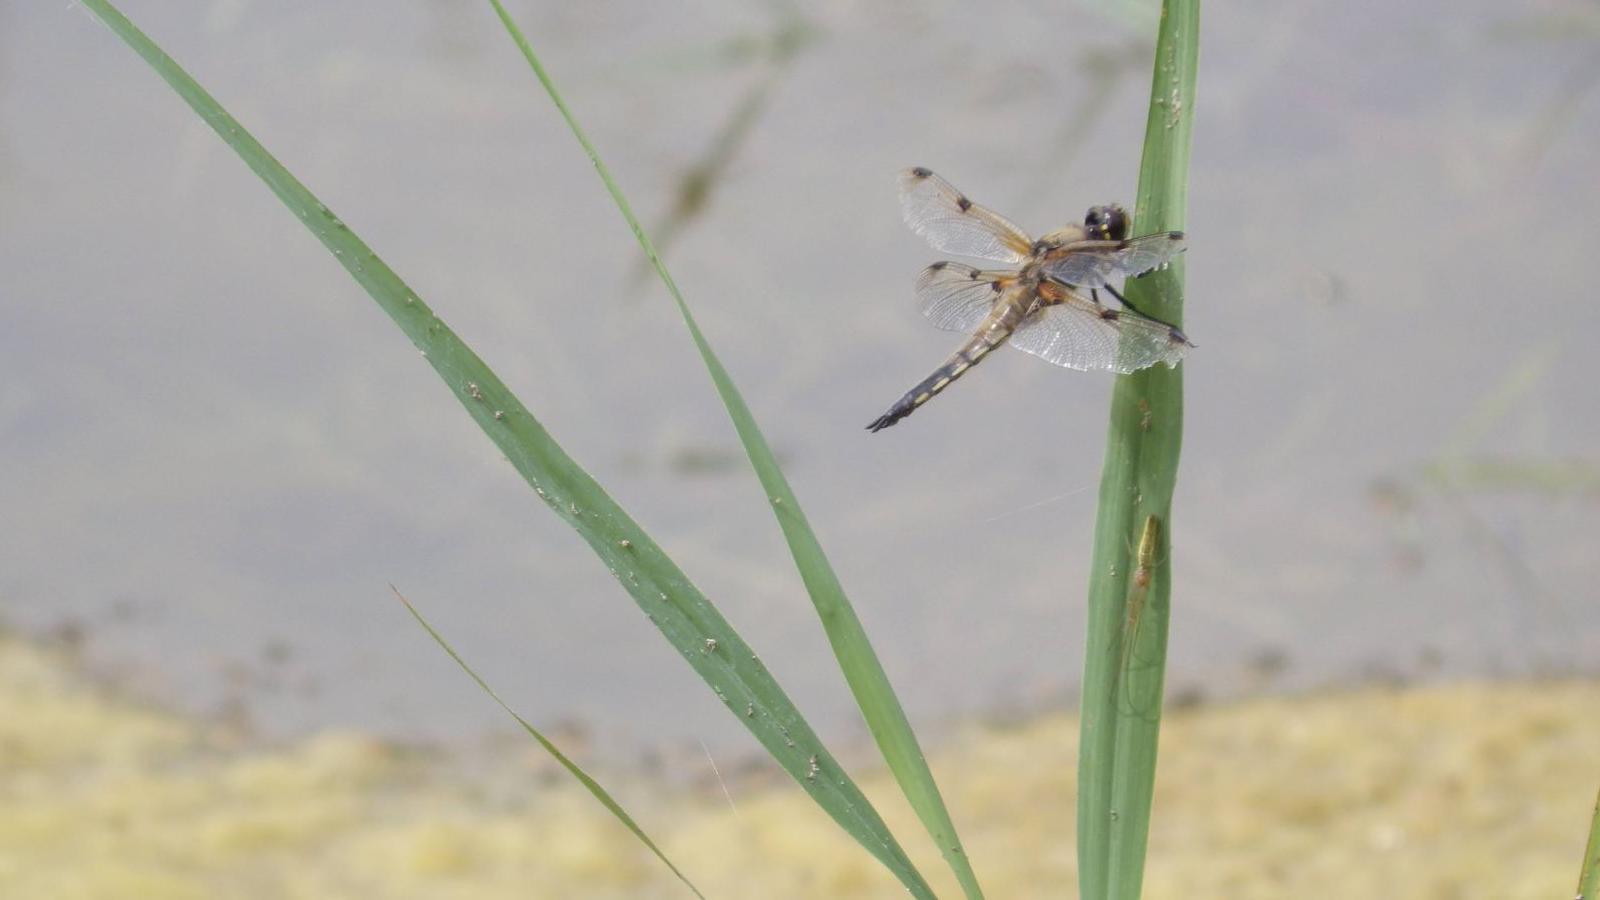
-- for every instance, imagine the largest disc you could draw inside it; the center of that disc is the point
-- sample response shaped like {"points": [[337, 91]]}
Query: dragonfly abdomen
{"points": [[929, 387]]}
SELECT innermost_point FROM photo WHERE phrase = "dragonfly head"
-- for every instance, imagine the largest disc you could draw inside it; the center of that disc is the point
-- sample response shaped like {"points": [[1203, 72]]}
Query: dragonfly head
{"points": [[1106, 223]]}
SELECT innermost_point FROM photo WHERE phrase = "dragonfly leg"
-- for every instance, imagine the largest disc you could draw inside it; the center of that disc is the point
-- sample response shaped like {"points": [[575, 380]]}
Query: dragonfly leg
{"points": [[1124, 301]]}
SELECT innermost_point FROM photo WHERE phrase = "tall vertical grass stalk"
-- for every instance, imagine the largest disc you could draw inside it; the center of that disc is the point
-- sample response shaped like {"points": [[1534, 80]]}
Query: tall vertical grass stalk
{"points": [[1589, 874], [1122, 704], [885, 717], [679, 611]]}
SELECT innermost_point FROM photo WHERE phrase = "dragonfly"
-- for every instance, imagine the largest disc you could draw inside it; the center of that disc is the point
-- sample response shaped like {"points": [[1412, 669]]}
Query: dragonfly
{"points": [[1038, 305]]}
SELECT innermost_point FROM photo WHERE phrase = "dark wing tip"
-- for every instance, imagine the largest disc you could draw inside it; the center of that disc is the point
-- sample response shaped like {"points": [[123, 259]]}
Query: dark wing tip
{"points": [[1176, 235], [921, 171]]}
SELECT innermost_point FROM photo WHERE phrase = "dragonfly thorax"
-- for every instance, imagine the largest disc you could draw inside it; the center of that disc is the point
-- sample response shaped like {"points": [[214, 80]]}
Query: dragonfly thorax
{"points": [[1061, 237]]}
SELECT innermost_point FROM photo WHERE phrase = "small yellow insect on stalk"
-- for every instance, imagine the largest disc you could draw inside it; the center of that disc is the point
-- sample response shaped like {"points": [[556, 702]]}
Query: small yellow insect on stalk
{"points": [[1138, 589]]}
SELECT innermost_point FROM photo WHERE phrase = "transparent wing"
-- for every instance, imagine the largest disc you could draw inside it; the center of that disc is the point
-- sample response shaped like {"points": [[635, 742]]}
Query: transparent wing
{"points": [[1080, 334], [955, 297], [1092, 264], [950, 222]]}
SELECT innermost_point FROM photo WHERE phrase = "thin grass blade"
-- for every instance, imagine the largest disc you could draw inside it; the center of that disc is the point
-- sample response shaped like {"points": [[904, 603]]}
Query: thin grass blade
{"points": [[1121, 716], [572, 768], [881, 709], [683, 615], [1589, 875]]}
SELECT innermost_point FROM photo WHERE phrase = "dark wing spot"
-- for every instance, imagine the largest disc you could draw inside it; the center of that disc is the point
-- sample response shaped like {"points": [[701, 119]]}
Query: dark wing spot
{"points": [[1110, 315], [964, 203], [939, 266], [994, 286], [1175, 235], [974, 275], [920, 172]]}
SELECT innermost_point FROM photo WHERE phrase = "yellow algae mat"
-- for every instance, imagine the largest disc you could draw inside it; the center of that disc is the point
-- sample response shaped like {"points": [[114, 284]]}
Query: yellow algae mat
{"points": [[1466, 791]]}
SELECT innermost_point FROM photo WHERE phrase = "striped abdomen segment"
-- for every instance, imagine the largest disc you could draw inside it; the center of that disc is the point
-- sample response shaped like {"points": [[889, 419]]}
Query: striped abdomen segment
{"points": [[953, 368]]}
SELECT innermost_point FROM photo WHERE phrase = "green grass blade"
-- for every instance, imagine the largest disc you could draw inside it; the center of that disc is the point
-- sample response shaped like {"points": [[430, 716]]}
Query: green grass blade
{"points": [[572, 768], [862, 671], [1122, 715], [1589, 875], [683, 615]]}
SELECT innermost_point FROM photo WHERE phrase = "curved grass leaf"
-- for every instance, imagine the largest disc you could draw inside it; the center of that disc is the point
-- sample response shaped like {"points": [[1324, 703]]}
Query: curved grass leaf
{"points": [[572, 768], [1121, 716], [879, 707], [683, 615]]}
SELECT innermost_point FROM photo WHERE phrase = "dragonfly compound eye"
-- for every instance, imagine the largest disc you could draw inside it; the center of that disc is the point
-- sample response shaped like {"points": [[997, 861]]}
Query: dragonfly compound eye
{"points": [[1107, 223]]}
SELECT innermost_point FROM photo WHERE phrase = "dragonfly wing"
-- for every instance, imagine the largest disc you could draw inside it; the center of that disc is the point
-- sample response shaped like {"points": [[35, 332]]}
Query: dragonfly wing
{"points": [[1080, 334], [950, 222], [1093, 264], [955, 297]]}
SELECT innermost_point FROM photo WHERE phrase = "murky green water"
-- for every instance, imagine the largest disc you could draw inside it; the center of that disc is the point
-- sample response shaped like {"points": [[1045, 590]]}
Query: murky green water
{"points": [[216, 453]]}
